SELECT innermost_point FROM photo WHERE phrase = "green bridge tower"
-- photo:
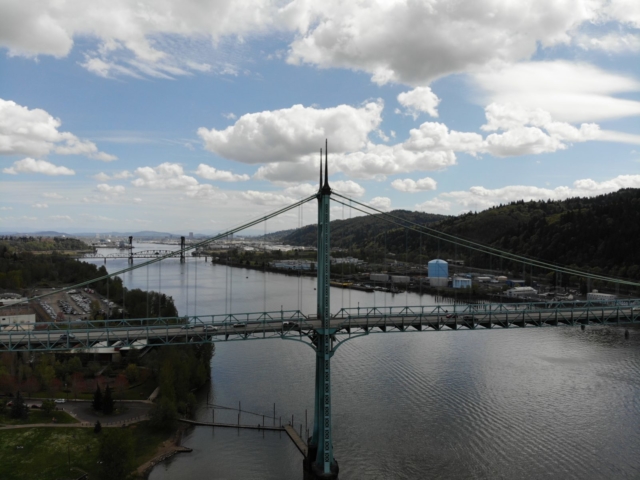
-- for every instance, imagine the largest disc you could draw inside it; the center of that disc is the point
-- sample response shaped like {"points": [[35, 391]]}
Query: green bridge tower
{"points": [[320, 462]]}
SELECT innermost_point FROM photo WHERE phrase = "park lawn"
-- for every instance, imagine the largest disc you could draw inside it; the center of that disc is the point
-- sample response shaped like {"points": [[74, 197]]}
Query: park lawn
{"points": [[44, 455], [38, 416]]}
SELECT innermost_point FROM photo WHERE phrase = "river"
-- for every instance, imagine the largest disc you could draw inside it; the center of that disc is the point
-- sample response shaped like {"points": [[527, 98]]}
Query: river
{"points": [[500, 404]]}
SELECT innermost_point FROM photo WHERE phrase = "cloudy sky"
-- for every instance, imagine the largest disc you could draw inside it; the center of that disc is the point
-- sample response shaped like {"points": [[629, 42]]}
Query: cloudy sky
{"points": [[196, 115]]}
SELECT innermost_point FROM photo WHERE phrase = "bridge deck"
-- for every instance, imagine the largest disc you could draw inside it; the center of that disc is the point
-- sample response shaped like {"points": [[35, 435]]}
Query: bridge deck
{"points": [[52, 336]]}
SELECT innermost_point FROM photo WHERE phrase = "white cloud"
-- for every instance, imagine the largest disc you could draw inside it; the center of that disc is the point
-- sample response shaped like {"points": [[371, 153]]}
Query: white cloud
{"points": [[30, 165], [6, 208], [266, 198], [570, 92], [211, 173], [53, 195], [110, 190], [412, 186], [435, 205], [288, 134], [612, 42], [171, 176], [416, 42], [165, 175], [480, 198], [381, 203], [103, 177], [301, 191], [40, 205], [348, 188], [35, 132], [420, 99]]}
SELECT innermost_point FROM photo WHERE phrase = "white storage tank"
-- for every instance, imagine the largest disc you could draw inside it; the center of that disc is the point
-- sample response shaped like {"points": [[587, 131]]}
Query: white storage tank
{"points": [[399, 279], [379, 277], [438, 269]]}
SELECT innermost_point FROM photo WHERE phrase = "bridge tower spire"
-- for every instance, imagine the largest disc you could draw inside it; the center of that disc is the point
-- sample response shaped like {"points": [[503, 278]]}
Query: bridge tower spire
{"points": [[320, 461]]}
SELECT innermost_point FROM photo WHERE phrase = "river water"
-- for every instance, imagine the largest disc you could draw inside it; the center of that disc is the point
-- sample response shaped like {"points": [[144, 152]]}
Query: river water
{"points": [[531, 404]]}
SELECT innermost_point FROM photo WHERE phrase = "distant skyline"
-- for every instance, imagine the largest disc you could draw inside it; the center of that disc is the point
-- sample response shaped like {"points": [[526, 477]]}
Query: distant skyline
{"points": [[200, 115]]}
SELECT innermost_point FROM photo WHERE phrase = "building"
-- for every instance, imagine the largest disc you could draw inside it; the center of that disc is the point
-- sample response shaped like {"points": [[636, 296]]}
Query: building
{"points": [[19, 317], [438, 273], [293, 265], [595, 296], [400, 279], [461, 282], [515, 283], [522, 292], [190, 235], [379, 277]]}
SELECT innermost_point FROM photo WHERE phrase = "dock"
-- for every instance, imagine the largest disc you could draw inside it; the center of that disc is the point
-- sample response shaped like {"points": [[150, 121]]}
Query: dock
{"points": [[291, 432], [297, 441]]}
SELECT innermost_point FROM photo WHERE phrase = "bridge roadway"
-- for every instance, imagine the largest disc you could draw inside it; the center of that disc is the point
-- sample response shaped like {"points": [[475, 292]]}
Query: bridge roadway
{"points": [[294, 325]]}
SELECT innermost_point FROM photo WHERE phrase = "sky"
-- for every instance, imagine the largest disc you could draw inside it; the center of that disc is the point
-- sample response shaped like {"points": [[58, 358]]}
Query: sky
{"points": [[200, 115]]}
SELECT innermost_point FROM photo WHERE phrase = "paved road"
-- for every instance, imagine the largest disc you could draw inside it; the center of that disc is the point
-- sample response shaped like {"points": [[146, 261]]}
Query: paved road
{"points": [[83, 412]]}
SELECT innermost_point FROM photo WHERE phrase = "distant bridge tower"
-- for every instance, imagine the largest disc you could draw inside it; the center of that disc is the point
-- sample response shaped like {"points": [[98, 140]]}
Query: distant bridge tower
{"points": [[320, 463], [181, 249], [130, 249]]}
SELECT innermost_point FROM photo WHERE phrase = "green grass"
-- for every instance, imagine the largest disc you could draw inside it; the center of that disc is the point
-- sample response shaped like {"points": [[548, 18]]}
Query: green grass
{"points": [[38, 416], [44, 454]]}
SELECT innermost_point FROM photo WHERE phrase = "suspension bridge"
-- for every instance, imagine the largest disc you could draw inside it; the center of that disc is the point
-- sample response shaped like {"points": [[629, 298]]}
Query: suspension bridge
{"points": [[321, 330]]}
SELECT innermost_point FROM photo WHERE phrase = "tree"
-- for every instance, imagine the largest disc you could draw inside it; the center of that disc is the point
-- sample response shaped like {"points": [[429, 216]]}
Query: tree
{"points": [[107, 402], [19, 409], [97, 428], [163, 414], [132, 372], [116, 454], [48, 406], [97, 399], [121, 384]]}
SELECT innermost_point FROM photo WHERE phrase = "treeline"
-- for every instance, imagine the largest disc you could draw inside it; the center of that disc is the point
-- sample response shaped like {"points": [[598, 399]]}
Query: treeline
{"points": [[598, 234], [358, 232], [40, 244]]}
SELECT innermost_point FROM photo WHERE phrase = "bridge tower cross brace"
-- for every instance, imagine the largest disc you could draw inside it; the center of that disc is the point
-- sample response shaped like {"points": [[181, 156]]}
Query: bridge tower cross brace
{"points": [[320, 458]]}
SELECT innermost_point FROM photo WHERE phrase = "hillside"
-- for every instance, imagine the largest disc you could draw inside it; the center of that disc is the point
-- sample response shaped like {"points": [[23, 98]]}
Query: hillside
{"points": [[355, 232], [600, 233]]}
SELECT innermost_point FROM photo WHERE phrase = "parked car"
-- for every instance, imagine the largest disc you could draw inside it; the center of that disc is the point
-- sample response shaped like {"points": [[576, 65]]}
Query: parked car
{"points": [[60, 400]]}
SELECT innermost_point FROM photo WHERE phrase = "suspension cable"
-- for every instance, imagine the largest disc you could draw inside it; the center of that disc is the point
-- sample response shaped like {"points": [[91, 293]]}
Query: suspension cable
{"points": [[173, 253]]}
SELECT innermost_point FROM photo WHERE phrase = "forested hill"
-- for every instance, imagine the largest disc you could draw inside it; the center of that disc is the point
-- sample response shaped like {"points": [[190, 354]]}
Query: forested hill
{"points": [[600, 233], [356, 232]]}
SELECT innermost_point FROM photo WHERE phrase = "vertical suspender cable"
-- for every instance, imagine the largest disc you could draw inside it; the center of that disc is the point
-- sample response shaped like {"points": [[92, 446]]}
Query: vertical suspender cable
{"points": [[195, 291], [186, 272], [159, 287], [264, 268]]}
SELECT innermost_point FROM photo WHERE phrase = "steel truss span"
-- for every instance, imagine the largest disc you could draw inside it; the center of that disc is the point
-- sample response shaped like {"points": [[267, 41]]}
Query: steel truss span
{"points": [[346, 324]]}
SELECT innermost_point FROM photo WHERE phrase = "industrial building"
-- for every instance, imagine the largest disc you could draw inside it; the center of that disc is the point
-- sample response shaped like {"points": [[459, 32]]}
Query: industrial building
{"points": [[438, 273], [595, 296], [379, 277], [522, 292], [461, 282]]}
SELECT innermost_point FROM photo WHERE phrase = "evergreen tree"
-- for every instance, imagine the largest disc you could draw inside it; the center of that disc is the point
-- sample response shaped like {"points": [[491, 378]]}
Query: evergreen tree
{"points": [[19, 409], [97, 428], [97, 399], [107, 402]]}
